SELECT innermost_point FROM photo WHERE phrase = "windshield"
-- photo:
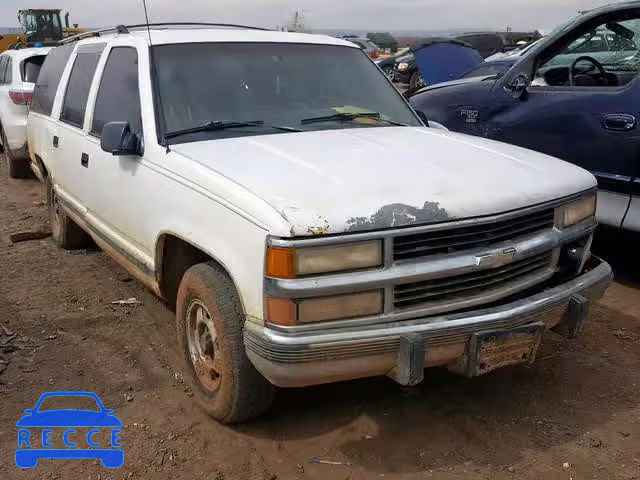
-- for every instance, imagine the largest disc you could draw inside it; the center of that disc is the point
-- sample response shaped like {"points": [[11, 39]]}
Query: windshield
{"points": [[277, 84], [44, 22]]}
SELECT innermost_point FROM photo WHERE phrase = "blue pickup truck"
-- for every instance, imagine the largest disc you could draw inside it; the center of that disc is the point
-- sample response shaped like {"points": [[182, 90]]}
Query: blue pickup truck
{"points": [[574, 95]]}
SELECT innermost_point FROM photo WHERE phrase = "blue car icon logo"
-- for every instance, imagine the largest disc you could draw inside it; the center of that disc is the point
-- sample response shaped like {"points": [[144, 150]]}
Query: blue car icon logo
{"points": [[84, 434]]}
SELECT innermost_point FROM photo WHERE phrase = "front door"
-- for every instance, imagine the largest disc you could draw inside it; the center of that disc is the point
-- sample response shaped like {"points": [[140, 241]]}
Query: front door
{"points": [[583, 107], [117, 205]]}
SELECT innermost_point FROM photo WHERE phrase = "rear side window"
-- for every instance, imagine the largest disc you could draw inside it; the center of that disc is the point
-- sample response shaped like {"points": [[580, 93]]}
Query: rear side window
{"points": [[3, 66], [75, 98], [8, 73], [118, 98], [49, 78], [30, 68]]}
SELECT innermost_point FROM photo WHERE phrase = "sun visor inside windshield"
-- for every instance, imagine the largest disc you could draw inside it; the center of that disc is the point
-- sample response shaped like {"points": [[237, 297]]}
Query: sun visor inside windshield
{"points": [[444, 59]]}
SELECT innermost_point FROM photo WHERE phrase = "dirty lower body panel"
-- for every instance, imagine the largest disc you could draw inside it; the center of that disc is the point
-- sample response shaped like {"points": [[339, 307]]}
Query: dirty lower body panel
{"points": [[471, 343]]}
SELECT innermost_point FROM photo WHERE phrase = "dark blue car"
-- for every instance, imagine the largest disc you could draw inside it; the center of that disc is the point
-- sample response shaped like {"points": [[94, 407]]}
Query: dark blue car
{"points": [[32, 447], [574, 95]]}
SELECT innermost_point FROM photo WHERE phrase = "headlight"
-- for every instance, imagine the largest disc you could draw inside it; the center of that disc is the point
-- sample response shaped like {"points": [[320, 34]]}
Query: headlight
{"points": [[287, 312], [403, 67], [295, 262], [576, 212]]}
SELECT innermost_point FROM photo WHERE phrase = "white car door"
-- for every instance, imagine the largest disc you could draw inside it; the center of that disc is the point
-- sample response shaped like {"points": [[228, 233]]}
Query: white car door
{"points": [[117, 200], [72, 176]]}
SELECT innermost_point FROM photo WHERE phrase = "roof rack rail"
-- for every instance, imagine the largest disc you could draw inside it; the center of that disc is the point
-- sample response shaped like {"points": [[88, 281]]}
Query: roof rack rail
{"points": [[127, 28]]}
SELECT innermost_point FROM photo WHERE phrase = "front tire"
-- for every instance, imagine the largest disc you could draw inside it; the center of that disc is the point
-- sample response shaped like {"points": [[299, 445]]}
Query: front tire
{"points": [[417, 81], [18, 167], [210, 322], [66, 233]]}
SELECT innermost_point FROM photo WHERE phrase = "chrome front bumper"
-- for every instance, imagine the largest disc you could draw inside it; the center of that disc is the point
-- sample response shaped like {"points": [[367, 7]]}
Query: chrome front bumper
{"points": [[297, 359]]}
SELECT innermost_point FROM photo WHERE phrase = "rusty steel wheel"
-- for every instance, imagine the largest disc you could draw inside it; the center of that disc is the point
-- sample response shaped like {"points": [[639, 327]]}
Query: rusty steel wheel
{"points": [[203, 346], [210, 322]]}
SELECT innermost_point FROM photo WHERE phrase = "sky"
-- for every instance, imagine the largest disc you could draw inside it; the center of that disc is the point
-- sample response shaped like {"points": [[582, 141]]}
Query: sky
{"points": [[370, 15]]}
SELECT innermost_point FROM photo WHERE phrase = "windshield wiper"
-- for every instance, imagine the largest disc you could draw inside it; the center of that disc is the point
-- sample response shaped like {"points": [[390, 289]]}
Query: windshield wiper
{"points": [[217, 125], [347, 116], [213, 126]]}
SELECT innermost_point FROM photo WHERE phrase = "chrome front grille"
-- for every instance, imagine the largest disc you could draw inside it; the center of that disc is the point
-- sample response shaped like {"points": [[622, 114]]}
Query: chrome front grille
{"points": [[472, 236], [460, 287]]}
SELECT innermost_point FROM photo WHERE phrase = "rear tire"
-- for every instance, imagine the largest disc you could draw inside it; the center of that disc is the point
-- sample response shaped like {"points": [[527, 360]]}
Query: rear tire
{"points": [[66, 233], [210, 322], [18, 167]]}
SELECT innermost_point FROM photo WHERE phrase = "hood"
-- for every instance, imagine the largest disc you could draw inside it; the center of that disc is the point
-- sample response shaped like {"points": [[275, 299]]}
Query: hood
{"points": [[363, 179], [444, 59], [453, 83]]}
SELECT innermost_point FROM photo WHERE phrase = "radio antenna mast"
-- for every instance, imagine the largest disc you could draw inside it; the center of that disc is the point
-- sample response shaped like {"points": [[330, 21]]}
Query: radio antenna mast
{"points": [[154, 73]]}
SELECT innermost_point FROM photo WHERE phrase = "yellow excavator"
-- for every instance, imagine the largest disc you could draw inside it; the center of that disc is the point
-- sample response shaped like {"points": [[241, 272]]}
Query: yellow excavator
{"points": [[39, 27]]}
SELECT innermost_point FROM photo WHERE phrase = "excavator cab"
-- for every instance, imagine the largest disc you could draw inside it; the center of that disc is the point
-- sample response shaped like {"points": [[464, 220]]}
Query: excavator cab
{"points": [[41, 26]]}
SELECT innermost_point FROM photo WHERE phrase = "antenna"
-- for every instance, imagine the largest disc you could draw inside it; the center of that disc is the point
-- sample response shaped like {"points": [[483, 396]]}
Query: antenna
{"points": [[146, 18], [154, 73]]}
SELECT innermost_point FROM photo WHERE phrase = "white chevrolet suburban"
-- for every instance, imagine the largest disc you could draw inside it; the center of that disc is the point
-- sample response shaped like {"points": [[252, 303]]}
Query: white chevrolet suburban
{"points": [[306, 224]]}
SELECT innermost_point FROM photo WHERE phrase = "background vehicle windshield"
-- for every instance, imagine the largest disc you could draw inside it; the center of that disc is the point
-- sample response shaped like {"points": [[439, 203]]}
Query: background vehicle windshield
{"points": [[278, 83]]}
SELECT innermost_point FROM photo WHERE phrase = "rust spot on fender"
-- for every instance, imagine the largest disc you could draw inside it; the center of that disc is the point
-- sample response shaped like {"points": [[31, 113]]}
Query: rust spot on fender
{"points": [[399, 215]]}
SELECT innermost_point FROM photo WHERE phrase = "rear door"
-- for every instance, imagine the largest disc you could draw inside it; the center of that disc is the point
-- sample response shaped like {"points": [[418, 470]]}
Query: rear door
{"points": [[42, 128], [73, 161]]}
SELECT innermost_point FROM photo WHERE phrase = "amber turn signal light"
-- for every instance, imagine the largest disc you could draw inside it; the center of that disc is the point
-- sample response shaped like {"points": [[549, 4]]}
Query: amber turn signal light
{"points": [[280, 263], [282, 311]]}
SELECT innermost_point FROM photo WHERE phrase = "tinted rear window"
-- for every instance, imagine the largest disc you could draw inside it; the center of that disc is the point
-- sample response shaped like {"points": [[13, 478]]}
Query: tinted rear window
{"points": [[31, 68], [75, 98], [49, 78]]}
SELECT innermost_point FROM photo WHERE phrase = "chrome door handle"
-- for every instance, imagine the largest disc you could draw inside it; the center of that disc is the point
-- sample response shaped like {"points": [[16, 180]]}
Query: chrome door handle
{"points": [[619, 122]]}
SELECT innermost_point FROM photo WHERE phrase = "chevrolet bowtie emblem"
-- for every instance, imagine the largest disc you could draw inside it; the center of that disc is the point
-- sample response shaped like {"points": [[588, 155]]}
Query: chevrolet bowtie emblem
{"points": [[498, 259]]}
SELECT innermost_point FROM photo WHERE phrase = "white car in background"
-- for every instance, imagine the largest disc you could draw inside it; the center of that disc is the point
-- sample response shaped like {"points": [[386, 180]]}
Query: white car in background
{"points": [[19, 71]]}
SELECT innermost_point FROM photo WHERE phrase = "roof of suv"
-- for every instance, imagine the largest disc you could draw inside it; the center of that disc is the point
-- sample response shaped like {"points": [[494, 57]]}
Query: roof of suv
{"points": [[161, 36], [23, 53]]}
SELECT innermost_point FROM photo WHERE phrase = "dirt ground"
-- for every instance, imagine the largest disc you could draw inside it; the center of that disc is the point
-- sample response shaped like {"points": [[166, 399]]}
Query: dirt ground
{"points": [[575, 414]]}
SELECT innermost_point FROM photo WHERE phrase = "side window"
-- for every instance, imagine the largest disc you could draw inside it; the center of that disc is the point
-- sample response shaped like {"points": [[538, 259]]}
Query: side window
{"points": [[605, 56], [30, 68], [8, 73], [118, 98], [3, 66], [45, 90], [75, 98]]}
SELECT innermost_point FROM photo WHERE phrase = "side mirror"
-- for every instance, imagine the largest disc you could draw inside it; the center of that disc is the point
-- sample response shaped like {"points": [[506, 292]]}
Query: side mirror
{"points": [[518, 86], [118, 139]]}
